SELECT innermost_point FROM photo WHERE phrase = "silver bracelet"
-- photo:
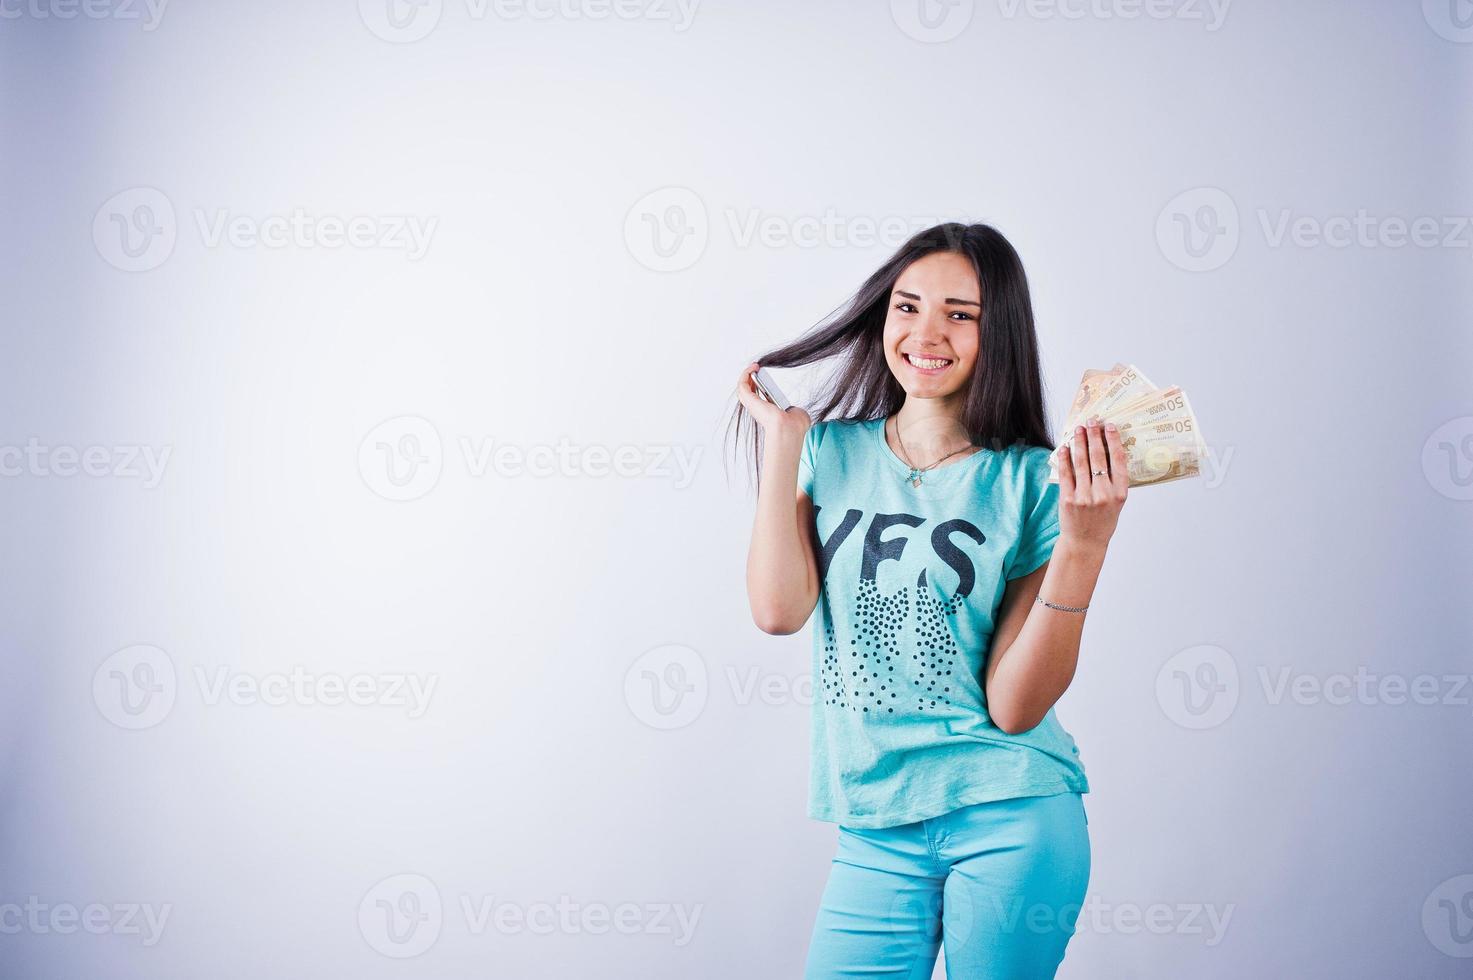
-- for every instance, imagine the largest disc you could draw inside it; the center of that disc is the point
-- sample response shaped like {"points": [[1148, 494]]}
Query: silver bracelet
{"points": [[1061, 608]]}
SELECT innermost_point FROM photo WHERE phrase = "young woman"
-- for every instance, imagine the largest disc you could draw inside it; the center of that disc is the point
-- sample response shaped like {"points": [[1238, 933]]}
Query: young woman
{"points": [[951, 579]]}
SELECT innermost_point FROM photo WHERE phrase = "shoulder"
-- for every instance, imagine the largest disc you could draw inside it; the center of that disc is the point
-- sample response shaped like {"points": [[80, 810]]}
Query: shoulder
{"points": [[1033, 461], [843, 427], [837, 431], [1024, 463], [1025, 471]]}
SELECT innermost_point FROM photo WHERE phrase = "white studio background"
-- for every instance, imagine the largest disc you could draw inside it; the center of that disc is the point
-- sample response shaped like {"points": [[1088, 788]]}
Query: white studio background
{"points": [[380, 353]]}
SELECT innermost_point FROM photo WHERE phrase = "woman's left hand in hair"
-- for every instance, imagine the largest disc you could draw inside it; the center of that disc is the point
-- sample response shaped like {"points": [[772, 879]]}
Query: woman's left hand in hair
{"points": [[1093, 480]]}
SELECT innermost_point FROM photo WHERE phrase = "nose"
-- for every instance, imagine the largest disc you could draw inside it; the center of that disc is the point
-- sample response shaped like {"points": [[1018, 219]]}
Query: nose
{"points": [[930, 331]]}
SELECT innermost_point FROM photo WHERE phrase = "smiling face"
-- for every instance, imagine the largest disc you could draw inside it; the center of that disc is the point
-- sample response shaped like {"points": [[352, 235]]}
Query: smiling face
{"points": [[931, 333]]}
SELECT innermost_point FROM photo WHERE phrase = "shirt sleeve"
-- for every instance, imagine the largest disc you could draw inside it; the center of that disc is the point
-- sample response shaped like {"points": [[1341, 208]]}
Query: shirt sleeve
{"points": [[1040, 519], [808, 458]]}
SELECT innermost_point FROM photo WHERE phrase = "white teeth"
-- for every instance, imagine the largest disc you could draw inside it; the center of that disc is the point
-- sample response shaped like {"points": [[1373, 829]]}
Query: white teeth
{"points": [[928, 363]]}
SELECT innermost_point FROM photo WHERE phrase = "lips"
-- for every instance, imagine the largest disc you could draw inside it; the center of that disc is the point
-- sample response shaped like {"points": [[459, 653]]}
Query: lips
{"points": [[927, 364]]}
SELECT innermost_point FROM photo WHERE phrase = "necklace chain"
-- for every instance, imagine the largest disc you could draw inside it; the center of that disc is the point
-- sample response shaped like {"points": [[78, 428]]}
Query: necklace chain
{"points": [[915, 474]]}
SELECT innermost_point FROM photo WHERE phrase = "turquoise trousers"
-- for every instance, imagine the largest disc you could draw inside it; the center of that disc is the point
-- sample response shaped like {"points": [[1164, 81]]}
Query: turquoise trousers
{"points": [[998, 885]]}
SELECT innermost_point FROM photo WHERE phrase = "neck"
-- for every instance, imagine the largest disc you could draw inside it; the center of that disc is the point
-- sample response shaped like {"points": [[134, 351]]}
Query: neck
{"points": [[932, 412], [930, 428]]}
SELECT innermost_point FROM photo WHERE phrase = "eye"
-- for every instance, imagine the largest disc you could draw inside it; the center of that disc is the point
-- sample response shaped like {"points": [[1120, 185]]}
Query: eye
{"points": [[963, 315], [904, 307]]}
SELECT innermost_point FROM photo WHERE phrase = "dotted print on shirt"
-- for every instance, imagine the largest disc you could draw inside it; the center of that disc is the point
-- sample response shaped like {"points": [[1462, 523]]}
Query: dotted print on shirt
{"points": [[936, 656], [864, 678]]}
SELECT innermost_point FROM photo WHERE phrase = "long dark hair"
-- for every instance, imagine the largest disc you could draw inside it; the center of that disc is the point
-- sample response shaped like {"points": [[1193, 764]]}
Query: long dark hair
{"points": [[1004, 404]]}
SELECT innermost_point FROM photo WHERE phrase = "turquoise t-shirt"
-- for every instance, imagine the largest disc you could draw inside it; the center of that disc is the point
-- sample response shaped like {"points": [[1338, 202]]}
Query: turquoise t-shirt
{"points": [[912, 581]]}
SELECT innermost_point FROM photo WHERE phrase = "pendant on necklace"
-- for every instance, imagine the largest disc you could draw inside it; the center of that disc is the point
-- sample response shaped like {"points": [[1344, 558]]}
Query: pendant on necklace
{"points": [[915, 477]]}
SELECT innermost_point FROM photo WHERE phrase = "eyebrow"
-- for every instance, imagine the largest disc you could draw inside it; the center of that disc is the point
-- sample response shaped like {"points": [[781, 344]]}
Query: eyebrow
{"points": [[950, 299]]}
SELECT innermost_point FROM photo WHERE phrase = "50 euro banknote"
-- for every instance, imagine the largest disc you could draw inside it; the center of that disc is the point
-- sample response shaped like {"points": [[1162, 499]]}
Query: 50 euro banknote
{"points": [[1157, 426]]}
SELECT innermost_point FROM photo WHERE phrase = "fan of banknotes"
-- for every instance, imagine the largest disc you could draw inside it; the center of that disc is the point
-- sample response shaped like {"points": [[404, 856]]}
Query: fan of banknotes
{"points": [[1157, 426]]}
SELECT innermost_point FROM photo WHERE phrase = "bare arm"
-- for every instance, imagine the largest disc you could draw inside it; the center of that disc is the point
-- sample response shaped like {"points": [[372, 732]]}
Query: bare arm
{"points": [[1035, 649], [782, 562]]}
